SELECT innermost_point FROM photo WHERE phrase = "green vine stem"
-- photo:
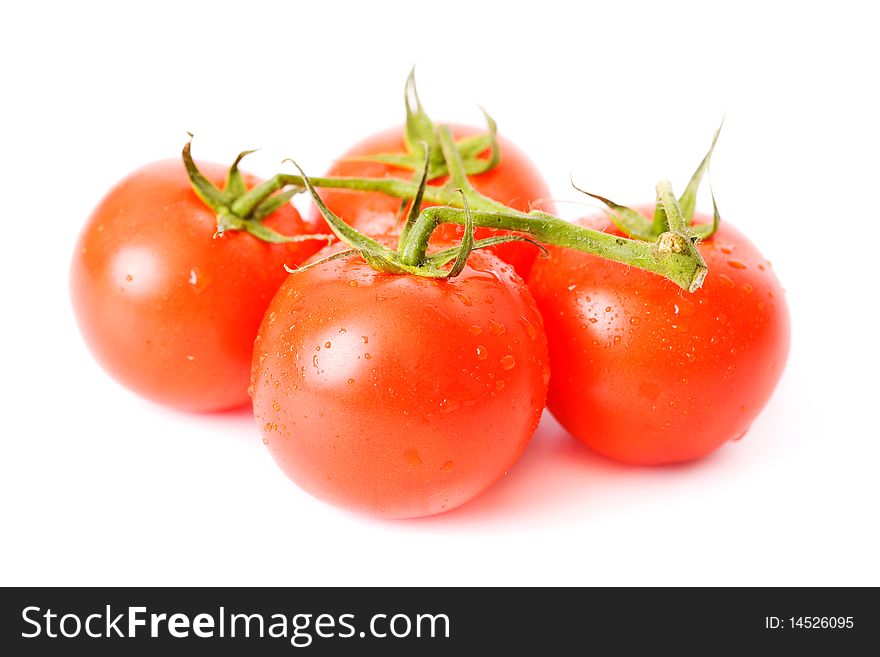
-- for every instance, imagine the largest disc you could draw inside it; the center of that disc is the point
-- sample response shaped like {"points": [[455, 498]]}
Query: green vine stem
{"points": [[664, 245], [672, 254]]}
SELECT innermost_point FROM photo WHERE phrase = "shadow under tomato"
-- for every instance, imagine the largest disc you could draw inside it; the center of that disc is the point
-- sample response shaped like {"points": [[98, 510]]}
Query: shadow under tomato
{"points": [[560, 478]]}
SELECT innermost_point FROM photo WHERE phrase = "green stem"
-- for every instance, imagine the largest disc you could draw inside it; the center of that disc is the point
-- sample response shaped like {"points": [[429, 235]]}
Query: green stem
{"points": [[673, 255], [667, 257], [455, 165], [673, 218]]}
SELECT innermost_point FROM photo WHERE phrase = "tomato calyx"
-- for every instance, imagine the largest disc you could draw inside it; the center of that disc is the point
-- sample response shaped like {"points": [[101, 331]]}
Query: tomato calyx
{"points": [[634, 224], [420, 129], [669, 252], [227, 204], [673, 257], [384, 259]]}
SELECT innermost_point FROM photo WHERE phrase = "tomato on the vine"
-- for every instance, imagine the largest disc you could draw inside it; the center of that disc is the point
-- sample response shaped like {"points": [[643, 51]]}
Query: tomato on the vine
{"points": [[167, 309], [514, 181], [399, 395], [646, 373]]}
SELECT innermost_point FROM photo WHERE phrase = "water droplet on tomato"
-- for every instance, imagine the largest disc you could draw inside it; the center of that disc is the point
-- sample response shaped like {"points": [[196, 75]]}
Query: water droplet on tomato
{"points": [[508, 362], [499, 385], [736, 264], [129, 278], [496, 328], [474, 329], [446, 467], [351, 382], [365, 339], [327, 344], [270, 426], [367, 355], [482, 353], [465, 299], [748, 289], [265, 441], [527, 325], [276, 406], [634, 320], [315, 361], [739, 436], [726, 281], [607, 309], [353, 283]]}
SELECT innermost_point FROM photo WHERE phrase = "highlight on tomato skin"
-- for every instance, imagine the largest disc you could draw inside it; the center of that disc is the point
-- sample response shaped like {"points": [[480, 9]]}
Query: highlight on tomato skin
{"points": [[514, 181], [166, 309], [395, 395], [647, 374]]}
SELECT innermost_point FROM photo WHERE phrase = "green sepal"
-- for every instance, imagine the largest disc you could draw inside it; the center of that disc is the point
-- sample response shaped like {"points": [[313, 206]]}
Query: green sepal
{"points": [[443, 257], [467, 240], [471, 147], [336, 256], [204, 188], [235, 185], [273, 203], [632, 223], [419, 127], [377, 255], [258, 207], [263, 232], [416, 205], [705, 231], [688, 199]]}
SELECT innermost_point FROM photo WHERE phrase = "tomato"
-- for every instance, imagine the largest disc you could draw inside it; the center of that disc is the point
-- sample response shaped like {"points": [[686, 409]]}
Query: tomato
{"points": [[167, 310], [646, 373], [514, 181], [397, 395]]}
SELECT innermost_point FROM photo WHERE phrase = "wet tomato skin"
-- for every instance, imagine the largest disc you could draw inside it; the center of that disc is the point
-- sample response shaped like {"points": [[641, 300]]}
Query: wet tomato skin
{"points": [[166, 309], [646, 373], [399, 396], [514, 181]]}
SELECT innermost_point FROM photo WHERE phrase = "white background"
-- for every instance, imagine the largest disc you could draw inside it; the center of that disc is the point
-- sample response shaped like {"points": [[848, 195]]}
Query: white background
{"points": [[100, 487]]}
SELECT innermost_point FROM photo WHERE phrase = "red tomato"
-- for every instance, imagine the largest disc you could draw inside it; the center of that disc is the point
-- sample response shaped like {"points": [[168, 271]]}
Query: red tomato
{"points": [[514, 181], [167, 310], [646, 373], [396, 395]]}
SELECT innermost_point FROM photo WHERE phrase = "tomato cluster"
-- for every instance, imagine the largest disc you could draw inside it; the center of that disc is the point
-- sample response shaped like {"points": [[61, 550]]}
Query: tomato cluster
{"points": [[402, 387]]}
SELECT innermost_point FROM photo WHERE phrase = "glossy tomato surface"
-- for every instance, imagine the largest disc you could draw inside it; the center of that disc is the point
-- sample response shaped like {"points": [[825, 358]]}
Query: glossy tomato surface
{"points": [[167, 309], [647, 373], [395, 395], [515, 181]]}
